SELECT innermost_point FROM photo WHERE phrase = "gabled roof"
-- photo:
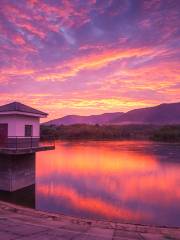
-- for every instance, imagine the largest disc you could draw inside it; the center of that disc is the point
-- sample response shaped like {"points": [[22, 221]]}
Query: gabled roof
{"points": [[21, 108]]}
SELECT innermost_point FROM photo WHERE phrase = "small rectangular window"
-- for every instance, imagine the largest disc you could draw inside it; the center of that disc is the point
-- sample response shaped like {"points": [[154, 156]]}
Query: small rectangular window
{"points": [[28, 130]]}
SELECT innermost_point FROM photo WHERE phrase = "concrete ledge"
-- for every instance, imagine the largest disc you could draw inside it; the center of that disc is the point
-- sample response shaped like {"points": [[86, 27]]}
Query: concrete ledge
{"points": [[19, 151], [22, 223]]}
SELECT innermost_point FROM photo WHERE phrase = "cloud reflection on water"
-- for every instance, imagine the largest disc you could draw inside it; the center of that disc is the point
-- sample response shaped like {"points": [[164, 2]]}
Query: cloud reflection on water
{"points": [[111, 180]]}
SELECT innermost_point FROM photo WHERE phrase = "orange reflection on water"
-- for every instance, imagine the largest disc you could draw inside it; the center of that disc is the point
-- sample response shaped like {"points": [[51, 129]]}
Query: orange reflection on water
{"points": [[91, 159], [91, 204], [114, 180]]}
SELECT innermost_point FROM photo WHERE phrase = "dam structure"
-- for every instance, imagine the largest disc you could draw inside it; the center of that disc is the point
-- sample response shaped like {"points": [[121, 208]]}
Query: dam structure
{"points": [[19, 142]]}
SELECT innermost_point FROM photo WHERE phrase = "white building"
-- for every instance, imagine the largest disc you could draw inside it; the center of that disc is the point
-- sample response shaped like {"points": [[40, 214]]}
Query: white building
{"points": [[18, 124]]}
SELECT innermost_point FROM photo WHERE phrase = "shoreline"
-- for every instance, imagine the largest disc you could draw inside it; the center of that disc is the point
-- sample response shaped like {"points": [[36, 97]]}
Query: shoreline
{"points": [[18, 222], [110, 140]]}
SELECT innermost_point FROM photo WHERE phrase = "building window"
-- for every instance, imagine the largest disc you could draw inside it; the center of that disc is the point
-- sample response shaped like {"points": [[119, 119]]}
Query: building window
{"points": [[3, 134], [28, 130]]}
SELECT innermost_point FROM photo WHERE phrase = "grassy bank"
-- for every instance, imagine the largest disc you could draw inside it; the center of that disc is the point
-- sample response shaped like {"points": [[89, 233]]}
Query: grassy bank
{"points": [[170, 133]]}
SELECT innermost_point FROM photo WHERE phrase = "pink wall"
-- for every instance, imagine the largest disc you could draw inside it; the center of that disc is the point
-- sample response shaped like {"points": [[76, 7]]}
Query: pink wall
{"points": [[16, 124]]}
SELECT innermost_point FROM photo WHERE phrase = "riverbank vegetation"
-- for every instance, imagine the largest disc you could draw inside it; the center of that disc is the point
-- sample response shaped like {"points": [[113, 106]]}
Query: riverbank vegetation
{"points": [[170, 133]]}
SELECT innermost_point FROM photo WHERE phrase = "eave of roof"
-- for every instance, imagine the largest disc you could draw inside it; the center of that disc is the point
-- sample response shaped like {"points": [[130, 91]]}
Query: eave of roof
{"points": [[18, 113], [20, 108]]}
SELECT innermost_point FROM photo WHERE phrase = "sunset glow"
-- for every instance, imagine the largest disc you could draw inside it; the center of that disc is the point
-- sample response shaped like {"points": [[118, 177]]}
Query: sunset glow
{"points": [[89, 57]]}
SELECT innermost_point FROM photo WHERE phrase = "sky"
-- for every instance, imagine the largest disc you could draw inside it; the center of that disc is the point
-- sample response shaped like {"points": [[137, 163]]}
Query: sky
{"points": [[89, 57]]}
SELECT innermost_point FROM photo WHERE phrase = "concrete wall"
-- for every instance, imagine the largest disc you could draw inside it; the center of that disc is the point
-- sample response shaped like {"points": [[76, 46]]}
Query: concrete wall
{"points": [[24, 197], [16, 172], [16, 124]]}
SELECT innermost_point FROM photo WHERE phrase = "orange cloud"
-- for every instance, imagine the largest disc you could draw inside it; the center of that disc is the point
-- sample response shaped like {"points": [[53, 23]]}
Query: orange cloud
{"points": [[18, 40], [17, 72], [95, 61], [29, 27]]}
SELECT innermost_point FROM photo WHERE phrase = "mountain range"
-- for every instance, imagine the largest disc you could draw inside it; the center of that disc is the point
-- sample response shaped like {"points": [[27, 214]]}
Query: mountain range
{"points": [[92, 119], [160, 115]]}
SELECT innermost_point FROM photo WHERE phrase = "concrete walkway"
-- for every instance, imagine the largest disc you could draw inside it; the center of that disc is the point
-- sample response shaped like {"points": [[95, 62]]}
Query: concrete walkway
{"points": [[25, 224]]}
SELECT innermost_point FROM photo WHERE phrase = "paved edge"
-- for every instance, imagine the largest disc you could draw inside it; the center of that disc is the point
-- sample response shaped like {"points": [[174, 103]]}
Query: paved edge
{"points": [[21, 215], [10, 207]]}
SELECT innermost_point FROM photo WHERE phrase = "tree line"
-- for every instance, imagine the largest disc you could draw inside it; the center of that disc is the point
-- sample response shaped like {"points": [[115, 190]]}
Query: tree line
{"points": [[169, 133]]}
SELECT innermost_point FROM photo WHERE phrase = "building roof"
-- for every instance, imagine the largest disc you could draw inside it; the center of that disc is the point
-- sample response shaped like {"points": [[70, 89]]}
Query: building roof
{"points": [[21, 108]]}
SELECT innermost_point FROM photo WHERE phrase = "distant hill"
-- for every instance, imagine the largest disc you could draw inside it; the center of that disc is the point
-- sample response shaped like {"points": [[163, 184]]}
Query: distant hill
{"points": [[93, 119], [161, 114]]}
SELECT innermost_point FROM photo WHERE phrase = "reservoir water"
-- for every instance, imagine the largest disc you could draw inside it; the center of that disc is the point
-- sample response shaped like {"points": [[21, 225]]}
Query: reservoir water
{"points": [[128, 181]]}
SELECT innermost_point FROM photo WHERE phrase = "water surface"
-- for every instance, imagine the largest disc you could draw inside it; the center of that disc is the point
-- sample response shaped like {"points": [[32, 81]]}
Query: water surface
{"points": [[129, 181]]}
